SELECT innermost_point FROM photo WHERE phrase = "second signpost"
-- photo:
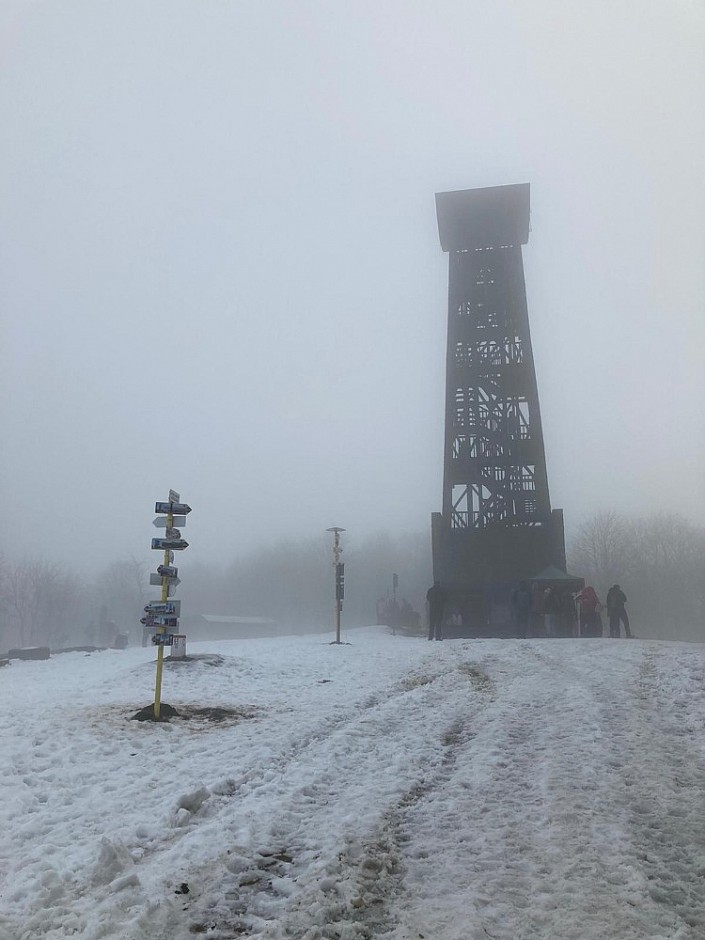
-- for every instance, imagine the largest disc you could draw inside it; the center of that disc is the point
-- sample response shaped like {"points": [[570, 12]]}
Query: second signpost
{"points": [[339, 568]]}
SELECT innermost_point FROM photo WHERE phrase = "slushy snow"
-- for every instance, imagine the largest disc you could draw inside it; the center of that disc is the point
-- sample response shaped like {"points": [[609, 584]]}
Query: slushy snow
{"points": [[463, 790]]}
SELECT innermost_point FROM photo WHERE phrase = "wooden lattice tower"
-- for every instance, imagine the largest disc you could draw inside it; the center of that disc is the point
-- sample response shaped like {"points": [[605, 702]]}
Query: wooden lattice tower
{"points": [[497, 525]]}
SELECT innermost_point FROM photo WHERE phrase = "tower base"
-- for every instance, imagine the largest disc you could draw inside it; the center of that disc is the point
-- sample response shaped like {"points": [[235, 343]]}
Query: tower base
{"points": [[479, 569]]}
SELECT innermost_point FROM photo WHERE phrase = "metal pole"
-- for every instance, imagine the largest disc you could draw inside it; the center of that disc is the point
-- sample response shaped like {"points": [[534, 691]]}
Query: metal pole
{"points": [[337, 551], [162, 629], [336, 556]]}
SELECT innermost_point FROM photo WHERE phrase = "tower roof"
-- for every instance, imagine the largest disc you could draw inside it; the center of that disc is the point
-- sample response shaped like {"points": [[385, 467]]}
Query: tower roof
{"points": [[493, 217]]}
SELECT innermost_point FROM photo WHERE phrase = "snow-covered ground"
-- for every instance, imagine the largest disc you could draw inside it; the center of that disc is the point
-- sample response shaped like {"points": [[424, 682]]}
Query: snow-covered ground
{"points": [[392, 788]]}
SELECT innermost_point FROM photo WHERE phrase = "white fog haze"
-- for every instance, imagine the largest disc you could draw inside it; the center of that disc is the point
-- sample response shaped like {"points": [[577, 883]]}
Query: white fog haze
{"points": [[221, 275], [221, 269]]}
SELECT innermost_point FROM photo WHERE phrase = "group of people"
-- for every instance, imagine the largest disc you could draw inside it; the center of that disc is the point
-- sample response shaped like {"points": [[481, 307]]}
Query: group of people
{"points": [[590, 607], [550, 605], [394, 614], [544, 611]]}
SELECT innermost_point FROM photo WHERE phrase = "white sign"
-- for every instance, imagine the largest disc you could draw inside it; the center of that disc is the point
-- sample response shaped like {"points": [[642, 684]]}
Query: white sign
{"points": [[157, 579], [161, 522]]}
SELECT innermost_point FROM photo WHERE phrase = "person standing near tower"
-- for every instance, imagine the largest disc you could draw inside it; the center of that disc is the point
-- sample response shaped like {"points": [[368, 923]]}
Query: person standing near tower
{"points": [[436, 597], [616, 599], [521, 605], [590, 606]]}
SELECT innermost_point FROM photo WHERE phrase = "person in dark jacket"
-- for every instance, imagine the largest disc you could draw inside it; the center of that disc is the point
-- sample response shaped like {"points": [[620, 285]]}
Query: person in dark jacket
{"points": [[521, 605], [616, 599], [590, 606], [436, 597], [552, 608]]}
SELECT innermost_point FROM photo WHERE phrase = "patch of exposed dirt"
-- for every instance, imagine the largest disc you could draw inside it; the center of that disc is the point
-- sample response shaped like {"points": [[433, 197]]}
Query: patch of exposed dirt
{"points": [[479, 678], [218, 713], [206, 659], [215, 714], [415, 682], [166, 713]]}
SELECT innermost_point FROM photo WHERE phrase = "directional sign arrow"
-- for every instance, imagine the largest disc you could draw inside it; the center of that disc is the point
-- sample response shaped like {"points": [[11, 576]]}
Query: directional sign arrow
{"points": [[176, 545], [171, 622], [163, 639], [161, 522], [157, 579], [166, 608], [176, 509]]}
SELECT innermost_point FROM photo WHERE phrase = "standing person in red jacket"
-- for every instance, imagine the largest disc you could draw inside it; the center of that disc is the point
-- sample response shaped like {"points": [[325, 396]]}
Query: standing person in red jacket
{"points": [[590, 607]]}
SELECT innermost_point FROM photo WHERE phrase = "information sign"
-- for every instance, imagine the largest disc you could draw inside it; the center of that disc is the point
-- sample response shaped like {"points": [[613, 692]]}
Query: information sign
{"points": [[175, 545], [176, 509], [163, 639], [167, 571], [172, 608]]}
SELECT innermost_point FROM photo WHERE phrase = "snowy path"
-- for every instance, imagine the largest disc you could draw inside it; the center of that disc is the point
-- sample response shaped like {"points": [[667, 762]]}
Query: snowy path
{"points": [[575, 824], [390, 788]]}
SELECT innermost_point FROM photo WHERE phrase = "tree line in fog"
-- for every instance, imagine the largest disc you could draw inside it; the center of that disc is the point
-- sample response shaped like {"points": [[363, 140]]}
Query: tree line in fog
{"points": [[291, 582], [658, 560]]}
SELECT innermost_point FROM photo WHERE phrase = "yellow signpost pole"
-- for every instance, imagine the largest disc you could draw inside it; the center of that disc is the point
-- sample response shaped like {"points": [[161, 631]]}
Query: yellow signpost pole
{"points": [[164, 615]]}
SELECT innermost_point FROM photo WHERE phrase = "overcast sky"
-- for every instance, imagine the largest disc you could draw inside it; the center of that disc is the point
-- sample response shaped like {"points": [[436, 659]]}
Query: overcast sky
{"points": [[221, 272]]}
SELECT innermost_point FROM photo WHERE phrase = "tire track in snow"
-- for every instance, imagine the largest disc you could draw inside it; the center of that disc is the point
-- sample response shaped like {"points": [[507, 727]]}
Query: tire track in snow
{"points": [[137, 862], [343, 888], [370, 872], [550, 854], [665, 778], [650, 819]]}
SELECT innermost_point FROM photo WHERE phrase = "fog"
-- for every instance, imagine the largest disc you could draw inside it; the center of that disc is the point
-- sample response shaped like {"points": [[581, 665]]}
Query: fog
{"points": [[221, 272]]}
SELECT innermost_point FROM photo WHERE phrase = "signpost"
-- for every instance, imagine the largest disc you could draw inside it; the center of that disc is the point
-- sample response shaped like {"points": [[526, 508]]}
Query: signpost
{"points": [[164, 614], [339, 577]]}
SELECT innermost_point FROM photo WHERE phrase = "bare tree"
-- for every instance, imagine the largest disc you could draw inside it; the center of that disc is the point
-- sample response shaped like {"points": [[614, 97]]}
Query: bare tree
{"points": [[119, 595], [37, 596], [63, 616], [668, 572], [658, 560], [601, 549]]}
